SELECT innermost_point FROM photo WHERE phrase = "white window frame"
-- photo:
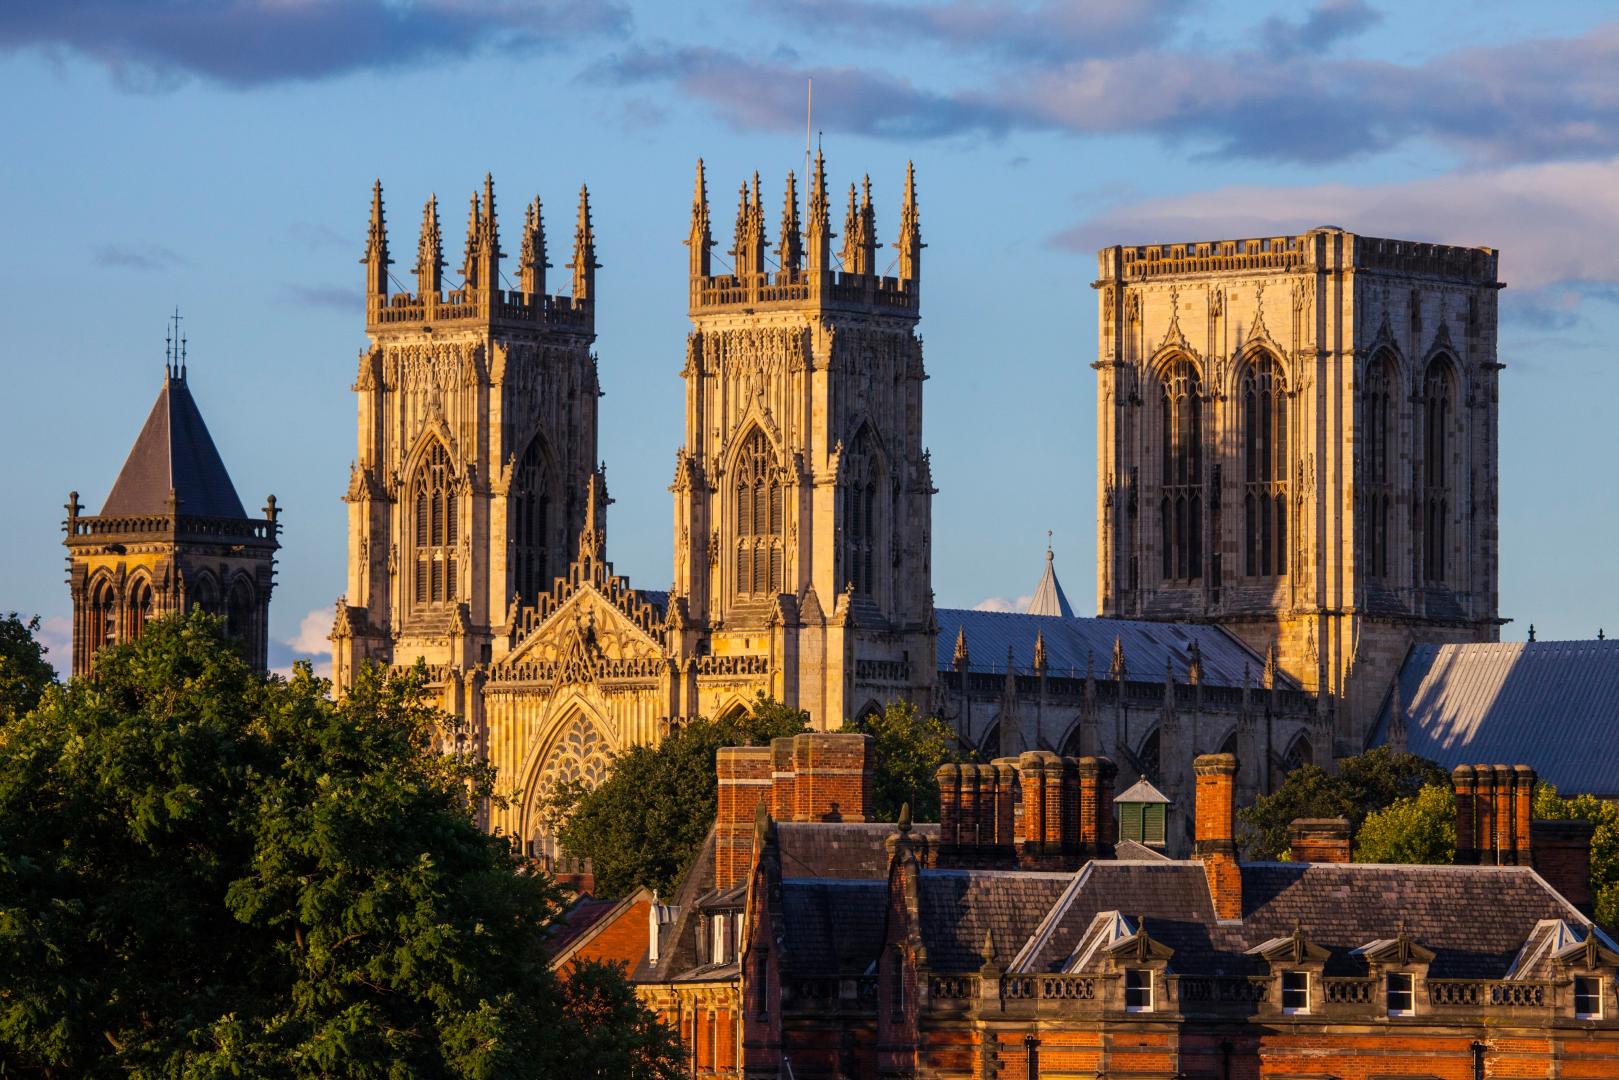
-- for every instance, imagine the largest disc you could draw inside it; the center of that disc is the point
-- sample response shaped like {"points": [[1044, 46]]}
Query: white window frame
{"points": [[1595, 983], [1295, 1010], [1409, 991], [1145, 988], [718, 955]]}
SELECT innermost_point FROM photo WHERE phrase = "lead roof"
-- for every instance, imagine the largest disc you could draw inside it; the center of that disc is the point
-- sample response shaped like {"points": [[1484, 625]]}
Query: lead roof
{"points": [[173, 452]]}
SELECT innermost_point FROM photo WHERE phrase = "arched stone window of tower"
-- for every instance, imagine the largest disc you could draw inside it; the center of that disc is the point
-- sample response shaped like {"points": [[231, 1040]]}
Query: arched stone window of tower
{"points": [[1378, 410], [1298, 755], [1230, 744], [435, 528], [1263, 401], [1150, 758], [205, 593], [103, 616], [531, 522], [1181, 449], [579, 755], [1438, 417], [239, 610], [862, 480], [758, 519], [140, 606]]}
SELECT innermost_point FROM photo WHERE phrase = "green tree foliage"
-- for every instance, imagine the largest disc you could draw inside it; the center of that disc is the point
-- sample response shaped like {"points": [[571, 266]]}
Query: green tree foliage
{"points": [[1604, 842], [1418, 829], [1364, 783], [907, 750], [645, 823], [207, 872], [24, 671]]}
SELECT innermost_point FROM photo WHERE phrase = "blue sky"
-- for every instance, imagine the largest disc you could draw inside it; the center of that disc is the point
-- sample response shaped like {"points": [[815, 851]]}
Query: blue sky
{"points": [[219, 156]]}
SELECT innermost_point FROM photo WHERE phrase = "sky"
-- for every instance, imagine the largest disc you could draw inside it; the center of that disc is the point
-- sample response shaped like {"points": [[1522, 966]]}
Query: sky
{"points": [[218, 156]]}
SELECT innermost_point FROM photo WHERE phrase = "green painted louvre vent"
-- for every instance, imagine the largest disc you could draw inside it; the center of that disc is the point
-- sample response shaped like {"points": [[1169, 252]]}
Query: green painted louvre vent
{"points": [[1142, 811]]}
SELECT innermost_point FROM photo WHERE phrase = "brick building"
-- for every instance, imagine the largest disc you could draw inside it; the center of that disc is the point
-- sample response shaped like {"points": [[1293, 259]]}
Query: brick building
{"points": [[1016, 939]]}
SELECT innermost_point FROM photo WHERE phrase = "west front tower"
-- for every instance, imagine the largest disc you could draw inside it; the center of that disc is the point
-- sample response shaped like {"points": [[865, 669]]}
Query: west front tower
{"points": [[802, 492], [1297, 438], [476, 446]]}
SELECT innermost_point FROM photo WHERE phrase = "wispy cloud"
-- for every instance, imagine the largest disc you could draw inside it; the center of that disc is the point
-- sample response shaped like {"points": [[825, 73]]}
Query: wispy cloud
{"points": [[1004, 603], [1322, 27], [138, 257], [152, 43], [309, 643], [1542, 217]]}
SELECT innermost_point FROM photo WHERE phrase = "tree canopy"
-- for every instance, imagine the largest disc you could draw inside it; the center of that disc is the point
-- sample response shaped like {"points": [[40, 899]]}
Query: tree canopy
{"points": [[1363, 784], [24, 671], [208, 872], [647, 820], [1417, 829], [907, 750], [1604, 816]]}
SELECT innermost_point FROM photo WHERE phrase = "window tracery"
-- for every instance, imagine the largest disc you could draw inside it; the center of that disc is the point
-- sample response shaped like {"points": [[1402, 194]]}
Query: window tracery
{"points": [[1181, 450], [758, 519], [1378, 410], [239, 612], [140, 608], [1264, 434], [1439, 409], [103, 616], [531, 523], [1298, 755], [579, 755], [436, 528], [862, 482]]}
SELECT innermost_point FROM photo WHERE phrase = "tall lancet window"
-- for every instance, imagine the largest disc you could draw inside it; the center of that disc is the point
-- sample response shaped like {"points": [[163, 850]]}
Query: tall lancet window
{"points": [[436, 528], [862, 481], [1264, 439], [1438, 416], [103, 616], [758, 519], [140, 607], [1181, 445], [531, 523], [1377, 413]]}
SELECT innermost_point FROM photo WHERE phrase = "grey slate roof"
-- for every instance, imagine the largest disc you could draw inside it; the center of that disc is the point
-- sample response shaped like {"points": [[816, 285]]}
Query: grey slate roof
{"points": [[1048, 595], [173, 452], [1553, 705], [841, 849], [1070, 642], [834, 927]]}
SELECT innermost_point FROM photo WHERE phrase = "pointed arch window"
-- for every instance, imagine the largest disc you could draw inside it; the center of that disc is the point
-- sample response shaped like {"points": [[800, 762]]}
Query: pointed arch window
{"points": [[532, 520], [758, 519], [861, 483], [1377, 413], [140, 607], [1264, 441], [1298, 755], [436, 529], [1438, 416], [1150, 758], [103, 616], [239, 612], [1180, 405]]}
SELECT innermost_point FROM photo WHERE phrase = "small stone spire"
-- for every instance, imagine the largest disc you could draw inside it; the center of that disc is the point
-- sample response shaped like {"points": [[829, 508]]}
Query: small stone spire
{"points": [[790, 253], [376, 261], [1118, 670], [910, 230], [469, 268], [532, 258], [1397, 735], [593, 536], [860, 245], [584, 264], [1270, 667], [749, 251], [702, 237], [1039, 652], [430, 253], [960, 657], [1194, 669], [482, 270], [820, 220]]}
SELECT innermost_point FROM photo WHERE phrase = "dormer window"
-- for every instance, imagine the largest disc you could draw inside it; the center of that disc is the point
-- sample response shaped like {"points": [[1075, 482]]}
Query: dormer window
{"points": [[1295, 992], [1587, 997], [719, 956], [1137, 990], [1400, 989]]}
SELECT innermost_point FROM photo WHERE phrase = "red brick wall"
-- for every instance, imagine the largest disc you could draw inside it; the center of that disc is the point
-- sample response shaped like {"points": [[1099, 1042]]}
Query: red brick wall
{"points": [[1319, 840], [1216, 831], [744, 774], [832, 776], [623, 940]]}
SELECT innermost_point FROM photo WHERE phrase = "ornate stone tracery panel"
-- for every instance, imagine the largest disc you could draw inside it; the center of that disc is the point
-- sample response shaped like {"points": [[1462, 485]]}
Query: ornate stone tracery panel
{"points": [[579, 753]]}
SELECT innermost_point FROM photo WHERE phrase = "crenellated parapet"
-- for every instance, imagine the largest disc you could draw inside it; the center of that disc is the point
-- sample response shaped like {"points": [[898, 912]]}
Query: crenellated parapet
{"points": [[802, 273], [1310, 251]]}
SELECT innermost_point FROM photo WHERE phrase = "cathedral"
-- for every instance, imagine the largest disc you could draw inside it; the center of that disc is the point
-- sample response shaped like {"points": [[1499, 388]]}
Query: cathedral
{"points": [[1297, 446]]}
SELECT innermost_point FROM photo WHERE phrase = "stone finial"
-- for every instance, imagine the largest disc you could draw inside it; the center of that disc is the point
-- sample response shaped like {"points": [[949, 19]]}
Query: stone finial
{"points": [[910, 230], [584, 264], [1270, 667], [1397, 734], [1194, 669], [1118, 670], [532, 259], [991, 967], [820, 221], [702, 237], [376, 258], [790, 252], [430, 252], [1531, 631], [960, 657], [271, 510]]}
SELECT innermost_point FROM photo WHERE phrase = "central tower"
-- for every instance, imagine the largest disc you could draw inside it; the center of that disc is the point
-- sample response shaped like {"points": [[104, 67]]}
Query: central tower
{"points": [[803, 493]]}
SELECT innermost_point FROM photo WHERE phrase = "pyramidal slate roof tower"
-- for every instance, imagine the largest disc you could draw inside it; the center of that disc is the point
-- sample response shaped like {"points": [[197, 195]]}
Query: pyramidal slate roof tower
{"points": [[172, 535], [1048, 595]]}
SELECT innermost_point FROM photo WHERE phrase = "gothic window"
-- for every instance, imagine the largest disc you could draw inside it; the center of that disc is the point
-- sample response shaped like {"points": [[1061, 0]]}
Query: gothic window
{"points": [[1298, 755], [1149, 758], [861, 483], [436, 529], [531, 523], [1438, 416], [1181, 449], [103, 616], [1378, 410], [1264, 436], [140, 607], [758, 519], [579, 755], [239, 611], [207, 594]]}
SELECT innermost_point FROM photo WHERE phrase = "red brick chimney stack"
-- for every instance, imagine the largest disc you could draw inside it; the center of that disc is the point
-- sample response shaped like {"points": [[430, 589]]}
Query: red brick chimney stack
{"points": [[1464, 783], [744, 774], [1216, 845], [1494, 804], [1562, 855], [1319, 840]]}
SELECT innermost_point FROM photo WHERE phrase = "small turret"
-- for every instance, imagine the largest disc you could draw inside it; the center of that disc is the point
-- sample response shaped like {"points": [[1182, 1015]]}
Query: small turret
{"points": [[429, 253], [910, 231], [749, 251], [482, 266], [860, 245], [790, 253], [702, 237], [819, 252], [376, 261], [531, 258], [584, 264]]}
